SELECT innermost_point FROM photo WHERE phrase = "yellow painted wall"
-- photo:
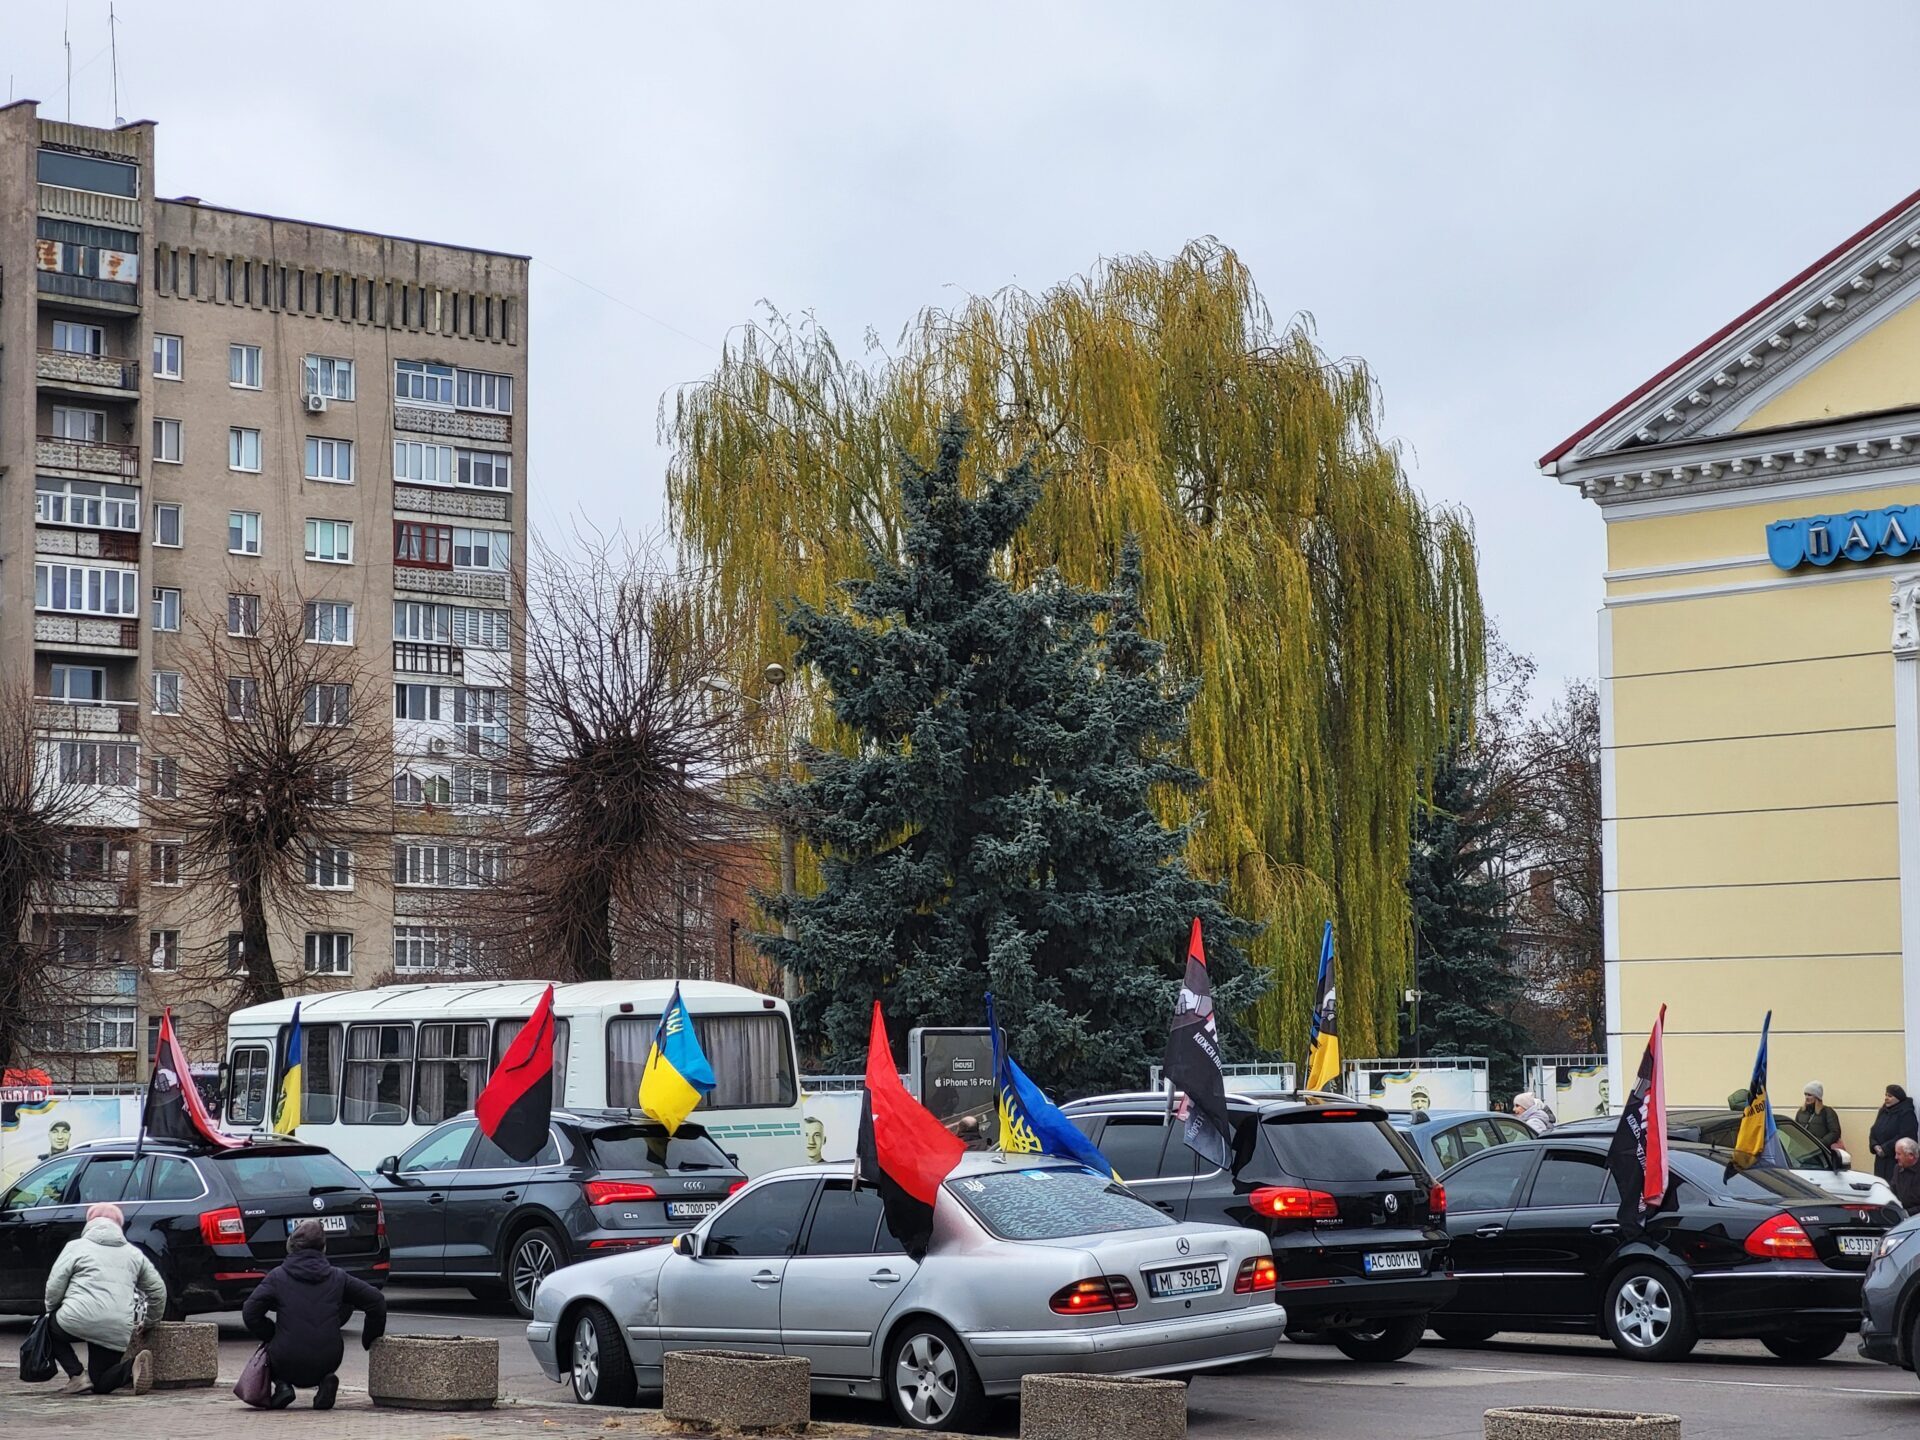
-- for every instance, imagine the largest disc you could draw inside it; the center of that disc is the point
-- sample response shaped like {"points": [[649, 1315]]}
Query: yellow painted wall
{"points": [[1730, 532], [1879, 371]]}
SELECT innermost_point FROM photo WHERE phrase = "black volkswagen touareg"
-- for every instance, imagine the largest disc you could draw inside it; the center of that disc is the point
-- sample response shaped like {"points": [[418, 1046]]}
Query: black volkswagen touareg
{"points": [[1357, 1223]]}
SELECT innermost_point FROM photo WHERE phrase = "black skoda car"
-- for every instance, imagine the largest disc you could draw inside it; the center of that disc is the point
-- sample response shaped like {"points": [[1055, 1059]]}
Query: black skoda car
{"points": [[462, 1212], [1757, 1253], [1356, 1221], [212, 1221]]}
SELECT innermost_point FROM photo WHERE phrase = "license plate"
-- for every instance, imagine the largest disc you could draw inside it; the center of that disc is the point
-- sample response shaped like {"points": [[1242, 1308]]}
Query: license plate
{"points": [[332, 1224], [1188, 1280], [1384, 1262], [1858, 1244], [690, 1209]]}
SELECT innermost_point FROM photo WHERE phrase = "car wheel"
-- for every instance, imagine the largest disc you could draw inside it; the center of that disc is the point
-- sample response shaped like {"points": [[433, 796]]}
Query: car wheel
{"points": [[1381, 1340], [1462, 1332], [930, 1379], [1805, 1346], [599, 1366], [1647, 1315], [533, 1255]]}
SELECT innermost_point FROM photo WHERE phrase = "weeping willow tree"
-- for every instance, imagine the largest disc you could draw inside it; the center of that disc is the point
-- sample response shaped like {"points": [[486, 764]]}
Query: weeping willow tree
{"points": [[1332, 617]]}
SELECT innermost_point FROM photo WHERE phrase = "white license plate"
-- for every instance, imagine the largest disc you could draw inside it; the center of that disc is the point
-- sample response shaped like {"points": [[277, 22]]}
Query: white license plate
{"points": [[1858, 1244], [1188, 1280], [332, 1224], [689, 1209], [1385, 1262]]}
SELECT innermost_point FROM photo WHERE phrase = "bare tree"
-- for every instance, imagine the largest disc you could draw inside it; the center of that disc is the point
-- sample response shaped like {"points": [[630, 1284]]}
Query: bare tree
{"points": [[280, 785]]}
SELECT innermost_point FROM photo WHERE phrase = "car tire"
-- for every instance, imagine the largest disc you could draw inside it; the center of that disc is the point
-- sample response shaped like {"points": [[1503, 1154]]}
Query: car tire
{"points": [[1803, 1347], [598, 1364], [1379, 1341], [1648, 1315], [1463, 1332], [929, 1378], [532, 1255]]}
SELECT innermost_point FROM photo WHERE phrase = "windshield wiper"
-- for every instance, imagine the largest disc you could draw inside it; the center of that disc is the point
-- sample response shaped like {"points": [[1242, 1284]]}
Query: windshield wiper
{"points": [[1394, 1175], [330, 1189]]}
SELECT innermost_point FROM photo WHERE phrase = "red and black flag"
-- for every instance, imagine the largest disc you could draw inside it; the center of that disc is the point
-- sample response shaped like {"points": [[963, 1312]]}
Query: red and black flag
{"points": [[1192, 1062], [1638, 1155], [904, 1152], [173, 1108], [515, 1110]]}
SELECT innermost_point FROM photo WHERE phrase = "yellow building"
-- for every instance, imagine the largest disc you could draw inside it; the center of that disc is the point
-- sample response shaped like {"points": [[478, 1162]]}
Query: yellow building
{"points": [[1760, 688]]}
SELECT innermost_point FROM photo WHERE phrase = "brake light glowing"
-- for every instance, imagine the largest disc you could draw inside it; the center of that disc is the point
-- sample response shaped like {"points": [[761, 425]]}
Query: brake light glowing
{"points": [[1437, 1202], [1256, 1275], [1291, 1202], [615, 1192], [379, 1221], [1103, 1293], [1337, 1114], [1780, 1237], [223, 1227], [736, 1187]]}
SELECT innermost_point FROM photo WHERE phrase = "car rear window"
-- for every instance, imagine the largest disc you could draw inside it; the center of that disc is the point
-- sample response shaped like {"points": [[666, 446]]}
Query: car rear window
{"points": [[1762, 1183], [283, 1173], [1049, 1204], [1313, 1147], [1803, 1153], [650, 1148]]}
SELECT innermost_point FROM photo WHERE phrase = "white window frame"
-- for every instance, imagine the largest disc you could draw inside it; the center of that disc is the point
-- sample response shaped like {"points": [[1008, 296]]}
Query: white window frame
{"points": [[169, 356], [327, 705], [163, 950], [238, 438], [243, 697], [332, 553], [247, 522], [94, 336], [423, 622], [86, 504], [169, 441], [163, 776], [243, 615], [60, 683], [338, 626], [163, 863], [160, 512], [96, 764], [475, 628], [486, 391], [329, 952], [329, 376], [418, 949], [92, 427], [106, 591], [498, 462], [436, 703], [329, 461], [166, 699], [166, 609], [497, 543], [245, 367], [444, 865], [424, 462], [423, 382], [329, 867]]}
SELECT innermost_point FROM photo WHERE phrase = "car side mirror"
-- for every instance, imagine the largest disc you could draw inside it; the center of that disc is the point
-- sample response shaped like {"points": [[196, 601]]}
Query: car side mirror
{"points": [[688, 1244], [389, 1167]]}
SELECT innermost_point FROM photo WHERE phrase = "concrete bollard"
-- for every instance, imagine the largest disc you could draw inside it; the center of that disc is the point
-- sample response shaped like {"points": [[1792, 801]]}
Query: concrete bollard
{"points": [[186, 1353], [736, 1390], [1553, 1422], [1102, 1407], [434, 1372]]}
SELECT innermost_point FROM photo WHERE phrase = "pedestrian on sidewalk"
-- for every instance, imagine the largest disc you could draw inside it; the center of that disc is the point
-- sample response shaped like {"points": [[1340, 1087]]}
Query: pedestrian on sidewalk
{"points": [[92, 1294], [1534, 1113], [1906, 1175], [1894, 1123], [311, 1299], [1817, 1118]]}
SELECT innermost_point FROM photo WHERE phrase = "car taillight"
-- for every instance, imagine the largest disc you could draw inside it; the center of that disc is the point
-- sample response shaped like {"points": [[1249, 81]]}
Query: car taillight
{"points": [[1256, 1275], [1437, 1202], [1780, 1238], [379, 1221], [736, 1187], [1090, 1297], [1291, 1202], [615, 1192], [223, 1227]]}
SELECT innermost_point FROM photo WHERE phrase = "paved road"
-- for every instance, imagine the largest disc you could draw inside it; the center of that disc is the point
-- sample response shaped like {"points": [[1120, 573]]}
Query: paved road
{"points": [[1726, 1389]]}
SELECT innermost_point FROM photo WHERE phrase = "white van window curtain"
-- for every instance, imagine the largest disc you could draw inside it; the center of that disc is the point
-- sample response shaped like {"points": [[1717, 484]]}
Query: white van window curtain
{"points": [[451, 1072], [379, 1074], [752, 1062]]}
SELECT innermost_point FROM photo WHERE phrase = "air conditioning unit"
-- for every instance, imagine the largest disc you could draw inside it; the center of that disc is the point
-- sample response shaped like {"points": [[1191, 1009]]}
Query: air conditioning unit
{"points": [[439, 747], [316, 404]]}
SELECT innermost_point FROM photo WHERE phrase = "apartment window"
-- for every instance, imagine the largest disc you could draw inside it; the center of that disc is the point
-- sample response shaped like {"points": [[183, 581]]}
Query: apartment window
{"points": [[167, 352], [458, 867], [99, 764], [484, 470], [481, 549], [166, 692], [327, 704], [412, 787], [330, 541], [418, 947], [422, 462], [426, 545], [328, 622], [329, 952], [72, 423], [483, 390], [84, 172], [417, 382], [243, 532], [91, 504], [163, 862], [78, 683], [163, 950], [416, 702], [479, 785], [414, 620], [329, 377], [243, 450], [163, 777], [330, 460], [243, 366], [70, 337], [481, 629], [166, 526], [243, 697], [166, 608], [335, 785], [330, 867], [91, 859], [243, 616], [166, 441], [85, 589]]}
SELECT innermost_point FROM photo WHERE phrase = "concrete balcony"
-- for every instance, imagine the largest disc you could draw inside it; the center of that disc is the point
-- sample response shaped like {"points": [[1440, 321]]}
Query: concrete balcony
{"points": [[459, 424], [417, 657], [121, 212], [91, 457], [120, 545], [88, 897], [104, 375], [439, 500], [87, 632], [86, 717], [468, 584]]}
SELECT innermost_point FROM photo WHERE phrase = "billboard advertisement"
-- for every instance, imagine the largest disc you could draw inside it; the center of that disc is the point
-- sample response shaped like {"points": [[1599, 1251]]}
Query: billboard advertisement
{"points": [[38, 1122]]}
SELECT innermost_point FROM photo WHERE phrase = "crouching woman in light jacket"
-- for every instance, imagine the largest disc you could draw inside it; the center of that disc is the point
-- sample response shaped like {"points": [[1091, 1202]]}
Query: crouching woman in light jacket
{"points": [[91, 1296]]}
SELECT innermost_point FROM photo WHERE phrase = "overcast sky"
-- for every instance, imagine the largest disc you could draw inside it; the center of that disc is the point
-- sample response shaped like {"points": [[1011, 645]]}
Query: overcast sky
{"points": [[1513, 213]]}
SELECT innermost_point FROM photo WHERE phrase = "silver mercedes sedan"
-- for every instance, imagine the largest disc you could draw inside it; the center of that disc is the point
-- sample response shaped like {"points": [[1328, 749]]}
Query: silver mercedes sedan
{"points": [[1036, 1264]]}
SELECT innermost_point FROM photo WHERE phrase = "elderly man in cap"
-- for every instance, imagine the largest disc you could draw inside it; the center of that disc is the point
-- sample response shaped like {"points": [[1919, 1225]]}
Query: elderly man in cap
{"points": [[1906, 1175], [311, 1300], [1816, 1117]]}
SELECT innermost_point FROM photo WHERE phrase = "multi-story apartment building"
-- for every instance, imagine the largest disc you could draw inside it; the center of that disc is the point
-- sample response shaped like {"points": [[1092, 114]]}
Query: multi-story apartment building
{"points": [[199, 406]]}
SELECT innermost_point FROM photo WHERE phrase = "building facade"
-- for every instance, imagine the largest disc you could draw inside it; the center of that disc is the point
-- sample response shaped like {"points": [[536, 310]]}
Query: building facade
{"points": [[201, 407], [1760, 687]]}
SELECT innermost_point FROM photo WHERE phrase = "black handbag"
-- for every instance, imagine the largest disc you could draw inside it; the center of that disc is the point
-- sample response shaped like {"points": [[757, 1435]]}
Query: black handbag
{"points": [[36, 1352]]}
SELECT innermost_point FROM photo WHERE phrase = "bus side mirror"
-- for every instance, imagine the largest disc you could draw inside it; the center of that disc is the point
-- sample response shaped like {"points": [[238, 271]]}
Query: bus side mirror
{"points": [[688, 1244]]}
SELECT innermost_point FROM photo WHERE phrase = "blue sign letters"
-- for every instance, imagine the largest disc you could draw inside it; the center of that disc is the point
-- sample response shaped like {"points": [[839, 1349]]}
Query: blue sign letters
{"points": [[1856, 535]]}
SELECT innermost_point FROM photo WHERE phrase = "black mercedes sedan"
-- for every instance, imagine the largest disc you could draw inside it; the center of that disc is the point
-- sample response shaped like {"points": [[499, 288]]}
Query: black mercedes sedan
{"points": [[1757, 1253], [461, 1212]]}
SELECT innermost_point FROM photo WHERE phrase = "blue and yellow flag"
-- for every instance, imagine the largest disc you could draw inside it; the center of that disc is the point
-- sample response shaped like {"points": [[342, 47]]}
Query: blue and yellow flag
{"points": [[1031, 1124], [1323, 1035], [286, 1115], [1758, 1142], [677, 1077]]}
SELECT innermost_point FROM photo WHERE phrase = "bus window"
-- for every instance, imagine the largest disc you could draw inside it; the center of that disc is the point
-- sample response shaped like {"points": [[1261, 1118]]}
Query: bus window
{"points": [[379, 1075], [451, 1071], [319, 1071], [751, 1055], [504, 1032], [247, 1085]]}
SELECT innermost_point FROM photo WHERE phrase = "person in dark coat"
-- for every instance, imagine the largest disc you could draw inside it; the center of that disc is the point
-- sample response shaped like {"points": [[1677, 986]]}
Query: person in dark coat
{"points": [[311, 1300], [1895, 1122], [1817, 1117]]}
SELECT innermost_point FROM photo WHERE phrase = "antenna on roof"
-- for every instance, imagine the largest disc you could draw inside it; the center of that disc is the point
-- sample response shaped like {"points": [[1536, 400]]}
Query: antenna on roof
{"points": [[66, 40], [113, 44]]}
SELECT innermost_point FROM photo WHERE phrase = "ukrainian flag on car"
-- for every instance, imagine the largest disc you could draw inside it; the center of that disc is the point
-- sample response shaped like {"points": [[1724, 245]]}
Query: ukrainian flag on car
{"points": [[677, 1077], [286, 1115], [1031, 1124]]}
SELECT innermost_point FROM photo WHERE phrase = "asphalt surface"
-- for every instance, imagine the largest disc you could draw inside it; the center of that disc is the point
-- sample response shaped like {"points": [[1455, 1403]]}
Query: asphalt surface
{"points": [[1726, 1388]]}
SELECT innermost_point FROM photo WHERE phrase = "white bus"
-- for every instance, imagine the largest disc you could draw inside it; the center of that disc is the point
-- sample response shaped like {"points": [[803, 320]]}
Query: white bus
{"points": [[380, 1068]]}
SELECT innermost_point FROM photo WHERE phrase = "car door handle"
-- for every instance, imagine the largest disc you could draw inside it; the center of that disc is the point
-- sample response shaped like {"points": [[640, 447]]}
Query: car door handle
{"points": [[884, 1277], [435, 1198], [1487, 1232], [1604, 1227], [766, 1277], [511, 1195]]}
